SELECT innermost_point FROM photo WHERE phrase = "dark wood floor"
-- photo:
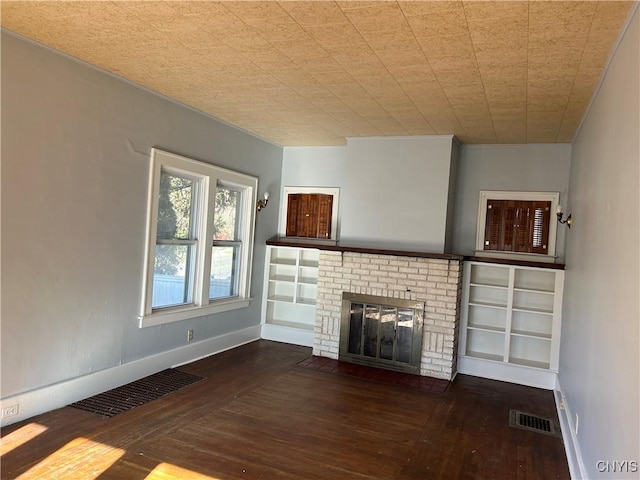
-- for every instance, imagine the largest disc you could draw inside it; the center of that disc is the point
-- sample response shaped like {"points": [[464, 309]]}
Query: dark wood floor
{"points": [[259, 415]]}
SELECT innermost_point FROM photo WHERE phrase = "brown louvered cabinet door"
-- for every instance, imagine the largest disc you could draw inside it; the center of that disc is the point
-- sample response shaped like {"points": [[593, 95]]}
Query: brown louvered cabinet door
{"points": [[517, 226], [539, 217], [309, 215], [325, 211], [293, 206]]}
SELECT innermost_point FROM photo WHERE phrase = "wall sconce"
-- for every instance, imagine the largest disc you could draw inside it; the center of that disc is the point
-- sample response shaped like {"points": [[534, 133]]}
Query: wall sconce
{"points": [[559, 214], [263, 201]]}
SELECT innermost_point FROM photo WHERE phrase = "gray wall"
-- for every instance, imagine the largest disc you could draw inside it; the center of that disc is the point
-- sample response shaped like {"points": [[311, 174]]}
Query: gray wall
{"points": [[451, 198], [75, 163], [599, 355], [314, 166], [543, 168], [396, 192]]}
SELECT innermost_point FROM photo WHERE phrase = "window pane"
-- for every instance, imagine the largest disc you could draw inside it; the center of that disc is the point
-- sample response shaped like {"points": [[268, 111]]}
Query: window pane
{"points": [[175, 207], [226, 214], [224, 272], [173, 275]]}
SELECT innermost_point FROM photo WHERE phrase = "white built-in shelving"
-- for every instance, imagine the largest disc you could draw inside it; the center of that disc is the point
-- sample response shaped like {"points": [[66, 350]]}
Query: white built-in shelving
{"points": [[291, 282], [511, 323]]}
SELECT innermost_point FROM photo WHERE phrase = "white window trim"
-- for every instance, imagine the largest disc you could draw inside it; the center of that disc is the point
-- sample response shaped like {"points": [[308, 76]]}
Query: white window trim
{"points": [[334, 192], [553, 197], [209, 176]]}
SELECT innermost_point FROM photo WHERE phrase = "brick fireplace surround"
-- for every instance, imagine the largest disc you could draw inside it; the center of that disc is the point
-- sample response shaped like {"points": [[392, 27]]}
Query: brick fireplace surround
{"points": [[435, 279]]}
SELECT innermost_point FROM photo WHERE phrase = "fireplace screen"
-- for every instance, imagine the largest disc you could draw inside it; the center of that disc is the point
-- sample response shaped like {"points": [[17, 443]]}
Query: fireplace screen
{"points": [[380, 331]]}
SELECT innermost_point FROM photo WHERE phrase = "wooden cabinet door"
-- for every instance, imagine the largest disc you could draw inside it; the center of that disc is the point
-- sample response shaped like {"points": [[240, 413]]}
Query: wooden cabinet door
{"points": [[325, 211], [517, 226], [309, 215]]}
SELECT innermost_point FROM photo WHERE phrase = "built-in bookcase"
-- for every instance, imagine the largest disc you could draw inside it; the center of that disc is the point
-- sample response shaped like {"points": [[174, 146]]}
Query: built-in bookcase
{"points": [[291, 283], [511, 323]]}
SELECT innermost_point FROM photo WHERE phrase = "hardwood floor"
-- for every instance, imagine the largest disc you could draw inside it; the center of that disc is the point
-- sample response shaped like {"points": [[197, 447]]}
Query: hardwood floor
{"points": [[258, 415]]}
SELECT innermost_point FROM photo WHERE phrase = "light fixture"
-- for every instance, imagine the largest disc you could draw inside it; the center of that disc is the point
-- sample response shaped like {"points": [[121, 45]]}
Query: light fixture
{"points": [[559, 214], [263, 201]]}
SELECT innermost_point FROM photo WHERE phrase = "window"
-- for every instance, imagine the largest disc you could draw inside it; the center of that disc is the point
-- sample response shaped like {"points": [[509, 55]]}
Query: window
{"points": [[310, 212], [517, 222], [227, 244], [200, 231]]}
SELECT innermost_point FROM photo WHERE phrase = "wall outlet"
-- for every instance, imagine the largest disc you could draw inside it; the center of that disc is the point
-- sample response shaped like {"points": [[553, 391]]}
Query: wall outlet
{"points": [[11, 411], [189, 335], [577, 423]]}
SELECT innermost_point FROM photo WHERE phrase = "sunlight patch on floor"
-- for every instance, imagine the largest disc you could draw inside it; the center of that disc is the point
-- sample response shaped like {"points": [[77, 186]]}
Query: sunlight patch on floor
{"points": [[20, 436], [167, 471], [80, 458]]}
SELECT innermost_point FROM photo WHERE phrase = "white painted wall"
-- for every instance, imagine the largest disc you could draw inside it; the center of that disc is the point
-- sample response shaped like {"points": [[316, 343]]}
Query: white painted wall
{"points": [[600, 354], [396, 192], [535, 167], [75, 162]]}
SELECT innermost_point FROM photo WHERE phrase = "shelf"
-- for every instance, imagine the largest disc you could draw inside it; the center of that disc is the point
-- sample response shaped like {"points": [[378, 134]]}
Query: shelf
{"points": [[282, 278], [533, 290], [284, 261], [532, 324], [511, 316], [487, 285], [306, 301], [490, 296], [529, 363], [489, 275], [536, 335], [534, 280], [488, 305], [533, 301], [292, 285], [486, 328], [539, 311], [485, 343], [485, 356], [280, 298], [308, 264]]}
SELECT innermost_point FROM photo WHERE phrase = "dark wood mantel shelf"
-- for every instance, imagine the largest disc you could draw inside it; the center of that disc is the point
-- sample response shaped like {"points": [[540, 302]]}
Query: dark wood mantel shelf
{"points": [[520, 263], [399, 252], [352, 247]]}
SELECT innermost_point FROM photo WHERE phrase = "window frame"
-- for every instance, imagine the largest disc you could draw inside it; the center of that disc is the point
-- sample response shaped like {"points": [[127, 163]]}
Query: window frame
{"points": [[333, 191], [553, 197], [208, 177]]}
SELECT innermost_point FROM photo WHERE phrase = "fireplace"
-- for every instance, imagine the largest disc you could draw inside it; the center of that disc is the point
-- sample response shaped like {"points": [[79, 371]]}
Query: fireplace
{"points": [[430, 283], [380, 331]]}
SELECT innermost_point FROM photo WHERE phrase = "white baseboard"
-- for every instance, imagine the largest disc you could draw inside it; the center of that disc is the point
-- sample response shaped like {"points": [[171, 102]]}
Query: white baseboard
{"points": [[51, 397], [569, 438]]}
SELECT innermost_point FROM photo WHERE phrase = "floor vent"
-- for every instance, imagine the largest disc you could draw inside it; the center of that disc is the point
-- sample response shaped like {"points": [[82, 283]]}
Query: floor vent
{"points": [[134, 394], [526, 421]]}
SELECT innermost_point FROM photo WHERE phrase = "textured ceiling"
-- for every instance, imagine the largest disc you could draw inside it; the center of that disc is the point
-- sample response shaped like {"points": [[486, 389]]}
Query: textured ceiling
{"points": [[313, 73]]}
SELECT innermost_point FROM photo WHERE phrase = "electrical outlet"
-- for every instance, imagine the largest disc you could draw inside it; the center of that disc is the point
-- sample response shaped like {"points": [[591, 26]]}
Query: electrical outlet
{"points": [[577, 423], [11, 411], [189, 335]]}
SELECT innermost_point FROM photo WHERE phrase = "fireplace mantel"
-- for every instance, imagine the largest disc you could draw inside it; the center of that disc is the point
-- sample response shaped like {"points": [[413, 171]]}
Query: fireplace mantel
{"points": [[346, 246]]}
